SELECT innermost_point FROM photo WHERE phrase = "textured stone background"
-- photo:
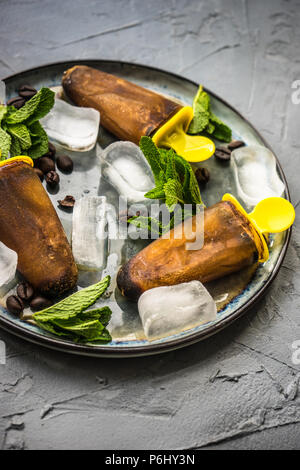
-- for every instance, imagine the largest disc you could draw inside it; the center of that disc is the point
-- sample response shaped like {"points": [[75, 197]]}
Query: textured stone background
{"points": [[238, 389]]}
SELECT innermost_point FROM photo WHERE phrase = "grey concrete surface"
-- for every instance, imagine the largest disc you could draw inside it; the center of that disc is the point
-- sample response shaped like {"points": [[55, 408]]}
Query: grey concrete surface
{"points": [[239, 389]]}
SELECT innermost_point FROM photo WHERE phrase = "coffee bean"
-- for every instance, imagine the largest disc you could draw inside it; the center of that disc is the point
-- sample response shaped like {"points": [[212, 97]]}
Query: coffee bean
{"points": [[202, 175], [64, 163], [222, 153], [45, 164], [52, 178], [39, 303], [27, 94], [25, 291], [39, 173], [14, 305], [26, 88], [17, 102], [67, 202], [235, 144], [52, 150]]}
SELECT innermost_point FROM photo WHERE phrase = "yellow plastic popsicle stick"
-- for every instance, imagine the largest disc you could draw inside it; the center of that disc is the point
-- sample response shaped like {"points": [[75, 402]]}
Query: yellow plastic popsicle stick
{"points": [[271, 215], [194, 148], [20, 158]]}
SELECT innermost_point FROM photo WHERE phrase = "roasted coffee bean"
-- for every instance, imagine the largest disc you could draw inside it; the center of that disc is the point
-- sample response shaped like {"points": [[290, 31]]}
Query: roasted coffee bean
{"points": [[52, 150], [67, 202], [26, 88], [39, 173], [64, 163], [17, 102], [202, 175], [235, 144], [25, 291], [39, 303], [14, 305], [52, 178], [222, 153], [27, 94], [45, 164]]}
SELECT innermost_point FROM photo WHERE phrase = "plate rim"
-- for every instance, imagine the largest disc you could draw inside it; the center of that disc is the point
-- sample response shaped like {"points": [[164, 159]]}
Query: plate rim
{"points": [[149, 349]]}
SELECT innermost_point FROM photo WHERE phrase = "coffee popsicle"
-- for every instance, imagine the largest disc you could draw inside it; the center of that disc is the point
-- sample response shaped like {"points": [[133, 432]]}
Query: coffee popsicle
{"points": [[30, 226], [232, 240], [130, 111], [230, 244]]}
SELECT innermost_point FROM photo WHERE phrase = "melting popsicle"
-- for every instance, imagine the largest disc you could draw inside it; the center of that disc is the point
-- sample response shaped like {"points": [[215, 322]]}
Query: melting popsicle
{"points": [[233, 240], [30, 226], [130, 111]]}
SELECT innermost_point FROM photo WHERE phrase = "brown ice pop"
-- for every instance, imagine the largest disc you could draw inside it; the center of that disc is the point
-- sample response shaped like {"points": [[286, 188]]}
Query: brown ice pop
{"points": [[127, 110], [30, 226], [230, 244]]}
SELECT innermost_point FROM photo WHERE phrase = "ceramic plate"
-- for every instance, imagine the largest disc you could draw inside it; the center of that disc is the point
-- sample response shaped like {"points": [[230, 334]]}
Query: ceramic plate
{"points": [[233, 294]]}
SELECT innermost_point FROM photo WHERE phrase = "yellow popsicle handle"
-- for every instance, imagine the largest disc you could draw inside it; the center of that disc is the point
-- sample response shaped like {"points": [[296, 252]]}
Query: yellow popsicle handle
{"points": [[271, 215], [20, 158], [194, 148]]}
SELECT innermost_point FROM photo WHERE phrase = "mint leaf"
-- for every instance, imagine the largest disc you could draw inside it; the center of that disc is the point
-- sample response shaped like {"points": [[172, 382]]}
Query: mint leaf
{"points": [[199, 122], [201, 108], [190, 187], [3, 112], [89, 330], [15, 148], [34, 109], [149, 224], [206, 121], [210, 128], [202, 98], [153, 157], [74, 304], [21, 133], [102, 314], [170, 171], [173, 192], [5, 143], [40, 141], [104, 337], [154, 226], [167, 165], [221, 130], [156, 193], [68, 318]]}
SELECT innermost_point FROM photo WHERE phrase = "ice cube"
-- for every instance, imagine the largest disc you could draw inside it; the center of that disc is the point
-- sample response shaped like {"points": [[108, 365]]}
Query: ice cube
{"points": [[8, 267], [255, 174], [72, 127], [127, 170], [168, 310], [2, 92], [88, 232]]}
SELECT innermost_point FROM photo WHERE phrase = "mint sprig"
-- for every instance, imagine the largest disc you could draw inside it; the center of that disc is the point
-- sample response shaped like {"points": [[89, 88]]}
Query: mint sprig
{"points": [[20, 130], [167, 165], [71, 319], [34, 109], [176, 185], [205, 121]]}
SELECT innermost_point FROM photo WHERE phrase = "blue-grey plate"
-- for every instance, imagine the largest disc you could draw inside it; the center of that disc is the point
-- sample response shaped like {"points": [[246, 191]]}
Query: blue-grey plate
{"points": [[233, 294]]}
